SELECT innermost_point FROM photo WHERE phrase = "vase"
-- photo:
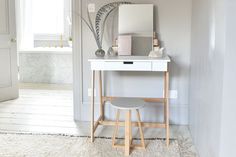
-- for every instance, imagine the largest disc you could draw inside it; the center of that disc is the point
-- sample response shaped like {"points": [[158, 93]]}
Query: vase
{"points": [[100, 53], [112, 51]]}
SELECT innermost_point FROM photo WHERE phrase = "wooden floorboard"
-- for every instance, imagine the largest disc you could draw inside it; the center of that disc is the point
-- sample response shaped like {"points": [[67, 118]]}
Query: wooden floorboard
{"points": [[38, 122], [40, 102], [54, 104], [38, 110], [36, 116], [38, 129]]}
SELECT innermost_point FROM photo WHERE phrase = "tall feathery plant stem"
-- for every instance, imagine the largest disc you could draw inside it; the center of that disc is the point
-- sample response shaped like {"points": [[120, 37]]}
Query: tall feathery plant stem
{"points": [[93, 31], [102, 16], [90, 26], [100, 20], [103, 25]]}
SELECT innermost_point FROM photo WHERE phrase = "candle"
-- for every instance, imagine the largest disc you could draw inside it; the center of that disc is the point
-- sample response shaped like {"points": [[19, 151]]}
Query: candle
{"points": [[155, 42]]}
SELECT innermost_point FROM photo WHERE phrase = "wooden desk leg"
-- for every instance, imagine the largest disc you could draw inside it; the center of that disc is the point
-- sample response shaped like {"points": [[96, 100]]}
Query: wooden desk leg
{"points": [[92, 106], [127, 132], [101, 96], [166, 107]]}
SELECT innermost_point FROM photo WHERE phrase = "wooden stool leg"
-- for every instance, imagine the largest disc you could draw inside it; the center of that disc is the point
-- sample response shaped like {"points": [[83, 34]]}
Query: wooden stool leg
{"points": [[140, 129], [127, 132], [116, 127]]}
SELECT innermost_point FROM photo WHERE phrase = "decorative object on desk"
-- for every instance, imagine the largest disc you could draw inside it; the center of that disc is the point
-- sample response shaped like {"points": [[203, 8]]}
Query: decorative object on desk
{"points": [[124, 45], [100, 52], [113, 50], [100, 20], [157, 52], [155, 40]]}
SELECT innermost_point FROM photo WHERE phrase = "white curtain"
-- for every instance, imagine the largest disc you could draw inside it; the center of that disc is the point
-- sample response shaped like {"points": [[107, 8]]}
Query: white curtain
{"points": [[24, 24]]}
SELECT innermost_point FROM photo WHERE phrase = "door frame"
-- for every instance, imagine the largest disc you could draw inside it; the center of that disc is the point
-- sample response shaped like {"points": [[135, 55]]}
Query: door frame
{"points": [[77, 59]]}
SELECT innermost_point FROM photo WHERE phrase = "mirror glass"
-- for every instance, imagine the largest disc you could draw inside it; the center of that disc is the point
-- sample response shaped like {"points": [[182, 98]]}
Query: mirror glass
{"points": [[137, 20]]}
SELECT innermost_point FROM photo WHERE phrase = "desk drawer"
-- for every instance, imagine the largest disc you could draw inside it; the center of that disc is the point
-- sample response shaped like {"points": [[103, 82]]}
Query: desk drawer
{"points": [[122, 65], [159, 66]]}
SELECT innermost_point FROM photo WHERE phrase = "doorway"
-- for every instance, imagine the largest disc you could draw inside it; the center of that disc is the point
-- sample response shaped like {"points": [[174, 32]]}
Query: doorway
{"points": [[40, 106], [45, 69]]}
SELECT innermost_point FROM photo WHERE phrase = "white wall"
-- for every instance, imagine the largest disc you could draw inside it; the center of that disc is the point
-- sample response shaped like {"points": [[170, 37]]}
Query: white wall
{"points": [[212, 104], [173, 23]]}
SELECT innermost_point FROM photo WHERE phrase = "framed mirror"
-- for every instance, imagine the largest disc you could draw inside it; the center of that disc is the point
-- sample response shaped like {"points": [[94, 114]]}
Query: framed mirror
{"points": [[136, 20]]}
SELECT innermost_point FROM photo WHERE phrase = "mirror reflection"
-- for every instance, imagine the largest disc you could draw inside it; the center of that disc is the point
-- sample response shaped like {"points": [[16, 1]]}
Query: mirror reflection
{"points": [[135, 22]]}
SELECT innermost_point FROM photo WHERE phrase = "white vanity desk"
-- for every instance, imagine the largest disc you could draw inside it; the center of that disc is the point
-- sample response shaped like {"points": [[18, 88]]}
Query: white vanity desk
{"points": [[129, 63]]}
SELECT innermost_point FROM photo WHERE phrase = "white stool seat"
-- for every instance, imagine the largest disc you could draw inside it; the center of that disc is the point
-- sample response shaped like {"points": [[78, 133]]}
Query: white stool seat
{"points": [[127, 103]]}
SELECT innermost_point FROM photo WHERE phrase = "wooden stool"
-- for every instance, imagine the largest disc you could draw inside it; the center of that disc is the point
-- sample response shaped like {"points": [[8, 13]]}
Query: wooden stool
{"points": [[128, 104]]}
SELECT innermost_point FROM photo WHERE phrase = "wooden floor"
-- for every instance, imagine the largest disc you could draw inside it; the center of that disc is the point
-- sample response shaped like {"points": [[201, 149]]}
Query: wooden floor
{"points": [[39, 111]]}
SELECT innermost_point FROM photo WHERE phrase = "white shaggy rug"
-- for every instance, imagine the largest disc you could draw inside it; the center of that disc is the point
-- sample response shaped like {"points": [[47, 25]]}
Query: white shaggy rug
{"points": [[36, 145]]}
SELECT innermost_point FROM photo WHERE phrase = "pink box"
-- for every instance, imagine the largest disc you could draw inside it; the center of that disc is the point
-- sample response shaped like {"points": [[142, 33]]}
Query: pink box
{"points": [[124, 45]]}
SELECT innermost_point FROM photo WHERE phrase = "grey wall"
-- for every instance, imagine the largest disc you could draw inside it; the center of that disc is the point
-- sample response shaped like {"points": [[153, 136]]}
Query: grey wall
{"points": [[173, 23], [212, 104], [43, 67], [206, 85], [228, 125]]}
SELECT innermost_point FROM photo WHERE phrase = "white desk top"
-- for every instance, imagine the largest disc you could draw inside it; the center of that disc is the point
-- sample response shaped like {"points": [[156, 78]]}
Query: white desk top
{"points": [[130, 58]]}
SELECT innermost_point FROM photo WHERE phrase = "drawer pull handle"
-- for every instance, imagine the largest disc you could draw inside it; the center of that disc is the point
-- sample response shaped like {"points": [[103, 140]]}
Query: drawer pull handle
{"points": [[128, 63]]}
